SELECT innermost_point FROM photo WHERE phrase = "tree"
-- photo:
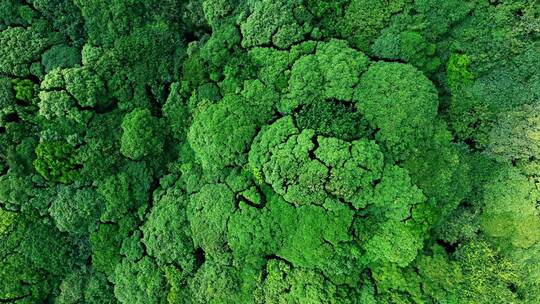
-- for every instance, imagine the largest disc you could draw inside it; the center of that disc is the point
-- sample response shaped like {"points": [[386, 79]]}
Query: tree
{"points": [[21, 47], [85, 86], [400, 102], [167, 233], [286, 151], [363, 20], [125, 192], [510, 212], [60, 56], [208, 212], [56, 161], [488, 276], [274, 23], [221, 132], [214, 283], [331, 73], [139, 282], [76, 210], [143, 134], [105, 242], [287, 284], [515, 138]]}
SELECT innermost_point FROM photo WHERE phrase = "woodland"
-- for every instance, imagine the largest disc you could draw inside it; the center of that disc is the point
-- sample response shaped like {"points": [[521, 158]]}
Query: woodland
{"points": [[269, 151]]}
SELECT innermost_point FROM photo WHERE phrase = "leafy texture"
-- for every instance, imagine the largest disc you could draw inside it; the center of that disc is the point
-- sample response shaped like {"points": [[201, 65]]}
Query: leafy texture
{"points": [[269, 151]]}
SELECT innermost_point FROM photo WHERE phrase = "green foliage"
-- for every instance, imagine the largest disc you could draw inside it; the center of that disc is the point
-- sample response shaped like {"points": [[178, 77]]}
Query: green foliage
{"points": [[76, 210], [20, 47], [400, 102], [331, 73], [24, 89], [176, 112], [408, 46], [60, 56], [139, 282], [60, 107], [221, 132], [280, 23], [105, 242], [208, 212], [143, 134], [84, 86], [488, 277], [333, 119], [214, 283], [510, 213], [56, 162], [287, 284], [167, 231], [364, 19], [457, 71], [516, 136], [125, 192], [286, 151]]}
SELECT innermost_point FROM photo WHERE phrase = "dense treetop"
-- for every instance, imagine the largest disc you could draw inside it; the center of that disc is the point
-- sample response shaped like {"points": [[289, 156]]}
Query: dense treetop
{"points": [[270, 151]]}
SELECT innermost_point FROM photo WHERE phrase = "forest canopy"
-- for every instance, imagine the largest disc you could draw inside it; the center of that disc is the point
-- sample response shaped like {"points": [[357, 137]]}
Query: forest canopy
{"points": [[269, 151]]}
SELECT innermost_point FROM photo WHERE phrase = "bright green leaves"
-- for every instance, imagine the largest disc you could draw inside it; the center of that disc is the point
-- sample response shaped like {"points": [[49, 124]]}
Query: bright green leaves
{"points": [[55, 161], [401, 103], [139, 282], [287, 284], [24, 89], [221, 132], [331, 72], [143, 134], [516, 136], [393, 242], [457, 70], [167, 234], [408, 46], [286, 165], [214, 283], [341, 67], [364, 19], [488, 276], [208, 212], [253, 233], [397, 230], [440, 275], [76, 210], [477, 98], [280, 23], [298, 169], [309, 236], [20, 48], [354, 168], [510, 212], [60, 107], [85, 86], [305, 83], [318, 237], [215, 10], [395, 195], [306, 168]]}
